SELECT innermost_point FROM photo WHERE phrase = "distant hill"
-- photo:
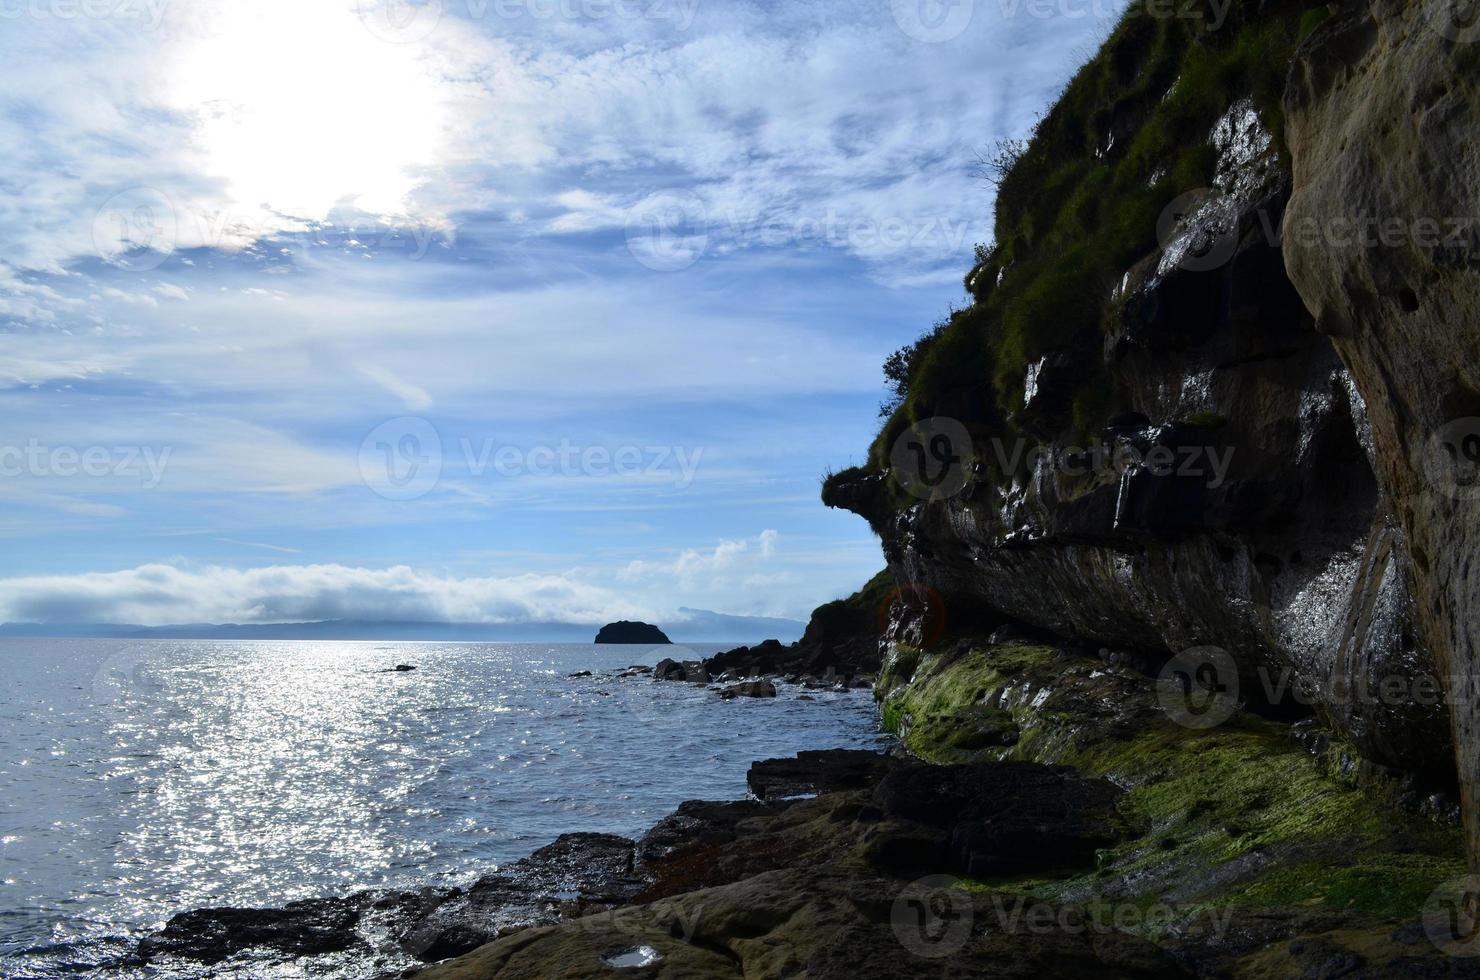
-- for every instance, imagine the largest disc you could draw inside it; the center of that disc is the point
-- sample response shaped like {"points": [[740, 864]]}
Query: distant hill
{"points": [[694, 626]]}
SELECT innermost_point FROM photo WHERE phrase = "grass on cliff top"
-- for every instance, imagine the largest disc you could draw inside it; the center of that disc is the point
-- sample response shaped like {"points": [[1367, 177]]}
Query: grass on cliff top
{"points": [[1235, 815], [1080, 205], [858, 615]]}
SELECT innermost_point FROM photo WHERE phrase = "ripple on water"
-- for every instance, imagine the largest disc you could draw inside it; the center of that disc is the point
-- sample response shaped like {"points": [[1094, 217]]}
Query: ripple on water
{"points": [[144, 778]]}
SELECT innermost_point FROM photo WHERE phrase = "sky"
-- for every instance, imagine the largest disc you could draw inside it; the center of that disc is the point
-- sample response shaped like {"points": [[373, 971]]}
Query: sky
{"points": [[475, 310]]}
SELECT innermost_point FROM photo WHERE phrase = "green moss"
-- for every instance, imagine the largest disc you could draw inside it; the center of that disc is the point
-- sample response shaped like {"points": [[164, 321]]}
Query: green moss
{"points": [[1387, 884], [1242, 806], [932, 691], [1078, 208]]}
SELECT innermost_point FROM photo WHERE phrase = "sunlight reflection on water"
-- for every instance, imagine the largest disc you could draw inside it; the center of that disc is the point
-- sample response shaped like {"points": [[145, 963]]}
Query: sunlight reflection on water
{"points": [[143, 778]]}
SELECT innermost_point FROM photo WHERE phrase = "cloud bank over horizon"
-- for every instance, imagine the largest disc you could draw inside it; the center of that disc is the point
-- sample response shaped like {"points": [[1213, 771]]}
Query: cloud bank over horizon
{"points": [[167, 594]]}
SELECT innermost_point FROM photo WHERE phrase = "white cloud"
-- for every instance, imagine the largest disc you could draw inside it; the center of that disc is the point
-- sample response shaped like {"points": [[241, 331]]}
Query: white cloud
{"points": [[693, 568], [153, 595], [414, 398]]}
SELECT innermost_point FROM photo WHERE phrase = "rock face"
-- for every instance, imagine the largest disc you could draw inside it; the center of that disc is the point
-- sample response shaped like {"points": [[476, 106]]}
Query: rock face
{"points": [[1276, 545], [626, 631], [1317, 400], [1382, 240]]}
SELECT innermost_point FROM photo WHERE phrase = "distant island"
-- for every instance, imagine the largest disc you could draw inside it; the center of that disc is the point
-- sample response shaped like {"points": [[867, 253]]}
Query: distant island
{"points": [[630, 632]]}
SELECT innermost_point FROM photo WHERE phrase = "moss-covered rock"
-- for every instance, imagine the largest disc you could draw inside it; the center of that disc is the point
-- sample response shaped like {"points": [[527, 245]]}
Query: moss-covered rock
{"points": [[1239, 815]]}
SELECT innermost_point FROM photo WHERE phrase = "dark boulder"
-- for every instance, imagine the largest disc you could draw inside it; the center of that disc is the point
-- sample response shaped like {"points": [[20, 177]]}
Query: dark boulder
{"points": [[693, 671], [749, 689], [307, 928]]}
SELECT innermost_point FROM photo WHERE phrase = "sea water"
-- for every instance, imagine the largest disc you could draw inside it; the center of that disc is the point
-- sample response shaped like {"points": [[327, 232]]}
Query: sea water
{"points": [[143, 778]]}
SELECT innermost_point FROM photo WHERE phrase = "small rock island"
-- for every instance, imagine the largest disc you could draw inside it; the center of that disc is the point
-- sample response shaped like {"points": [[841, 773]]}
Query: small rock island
{"points": [[629, 632]]}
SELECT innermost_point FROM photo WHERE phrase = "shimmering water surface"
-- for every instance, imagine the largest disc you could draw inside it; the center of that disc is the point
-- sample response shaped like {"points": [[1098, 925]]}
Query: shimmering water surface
{"points": [[141, 778]]}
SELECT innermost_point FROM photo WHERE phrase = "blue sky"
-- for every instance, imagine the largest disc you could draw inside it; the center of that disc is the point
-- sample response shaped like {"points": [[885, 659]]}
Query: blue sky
{"points": [[481, 310]]}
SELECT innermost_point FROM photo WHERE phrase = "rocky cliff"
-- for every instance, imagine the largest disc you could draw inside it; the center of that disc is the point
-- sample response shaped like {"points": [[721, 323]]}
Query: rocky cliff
{"points": [[1214, 389], [1383, 243]]}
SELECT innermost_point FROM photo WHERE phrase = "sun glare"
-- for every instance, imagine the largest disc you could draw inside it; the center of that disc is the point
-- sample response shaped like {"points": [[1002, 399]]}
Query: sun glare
{"points": [[301, 108]]}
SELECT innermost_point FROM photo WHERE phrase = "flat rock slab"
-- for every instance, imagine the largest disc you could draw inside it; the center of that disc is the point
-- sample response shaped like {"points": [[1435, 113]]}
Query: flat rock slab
{"points": [[814, 773], [1008, 817]]}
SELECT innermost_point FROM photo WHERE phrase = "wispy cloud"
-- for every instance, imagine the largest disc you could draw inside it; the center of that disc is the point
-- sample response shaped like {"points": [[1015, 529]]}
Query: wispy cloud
{"points": [[248, 233]]}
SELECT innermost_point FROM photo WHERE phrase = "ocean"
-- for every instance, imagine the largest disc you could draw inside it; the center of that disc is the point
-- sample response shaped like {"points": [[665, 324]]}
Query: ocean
{"points": [[141, 778]]}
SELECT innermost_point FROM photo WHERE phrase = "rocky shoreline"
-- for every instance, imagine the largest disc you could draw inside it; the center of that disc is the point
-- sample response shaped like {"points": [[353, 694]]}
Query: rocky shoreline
{"points": [[1042, 814]]}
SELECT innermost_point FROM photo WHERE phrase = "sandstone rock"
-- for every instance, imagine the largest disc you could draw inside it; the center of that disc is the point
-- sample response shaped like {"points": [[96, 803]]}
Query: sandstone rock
{"points": [[1381, 241]]}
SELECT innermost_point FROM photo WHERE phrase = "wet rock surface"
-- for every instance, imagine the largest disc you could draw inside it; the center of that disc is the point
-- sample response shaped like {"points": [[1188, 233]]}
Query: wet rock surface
{"points": [[1005, 818], [749, 689], [813, 773], [575, 874]]}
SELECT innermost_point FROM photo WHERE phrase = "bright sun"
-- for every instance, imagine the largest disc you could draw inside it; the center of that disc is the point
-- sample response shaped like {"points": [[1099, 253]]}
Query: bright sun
{"points": [[302, 108]]}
